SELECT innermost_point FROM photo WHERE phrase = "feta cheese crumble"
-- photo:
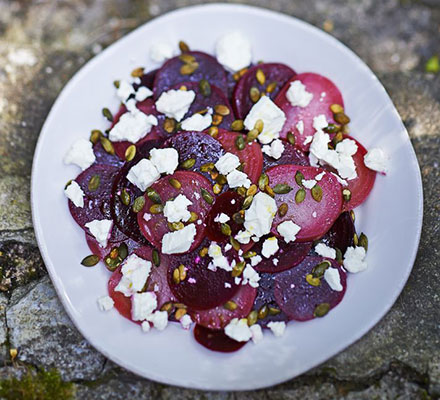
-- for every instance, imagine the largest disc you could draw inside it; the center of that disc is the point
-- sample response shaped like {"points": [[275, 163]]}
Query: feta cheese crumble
{"points": [[308, 183], [238, 330], [272, 116], [354, 259], [270, 247], [161, 51], [221, 218], [124, 91], [100, 229], [175, 103], [132, 127], [75, 194], [332, 277], [250, 276], [218, 259], [143, 93], [197, 122], [165, 160], [227, 163], [81, 154], [177, 210], [243, 237], [377, 160], [325, 251], [185, 321], [159, 319], [135, 272], [255, 260], [233, 51], [257, 333], [274, 150], [298, 95], [300, 126], [105, 303], [237, 179], [288, 230], [143, 174], [259, 216], [143, 305], [178, 241], [277, 328]]}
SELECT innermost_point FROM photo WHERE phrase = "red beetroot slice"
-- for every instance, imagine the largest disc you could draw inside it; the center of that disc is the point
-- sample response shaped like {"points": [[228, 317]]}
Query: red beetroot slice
{"points": [[219, 317], [251, 156], [315, 84], [274, 73], [96, 202], [169, 74], [216, 340], [202, 288], [302, 214], [341, 234], [266, 297], [96, 249], [288, 255], [197, 145], [122, 303], [297, 298], [191, 185], [291, 155], [227, 203], [102, 157]]}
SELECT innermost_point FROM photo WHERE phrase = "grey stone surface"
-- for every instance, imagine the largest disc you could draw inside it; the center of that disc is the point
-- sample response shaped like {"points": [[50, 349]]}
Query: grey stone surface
{"points": [[42, 44]]}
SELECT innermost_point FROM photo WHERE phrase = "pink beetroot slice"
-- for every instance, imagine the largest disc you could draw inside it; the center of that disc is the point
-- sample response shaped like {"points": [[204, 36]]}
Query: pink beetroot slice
{"points": [[341, 234], [169, 74], [314, 217], [216, 340], [325, 93], [276, 75], [251, 156], [291, 155], [155, 226], [202, 288], [219, 317], [299, 299], [122, 303]]}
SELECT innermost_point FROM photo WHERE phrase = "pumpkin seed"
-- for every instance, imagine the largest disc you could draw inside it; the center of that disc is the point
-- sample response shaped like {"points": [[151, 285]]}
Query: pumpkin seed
{"points": [[175, 226], [184, 48], [263, 312], [112, 263], [123, 251], [188, 164], [183, 87], [169, 125], [300, 196], [238, 268], [221, 179], [261, 78], [226, 229], [299, 177], [213, 131], [205, 88], [237, 125], [214, 175], [282, 188], [207, 167], [236, 76], [189, 69], [254, 94], [193, 217], [153, 196], [263, 181], [182, 272], [274, 311], [176, 276], [238, 218], [319, 270], [341, 118], [339, 257], [95, 135], [125, 197], [217, 188], [107, 114], [252, 318], [230, 305], [206, 196], [241, 191], [242, 71], [271, 87], [337, 138], [336, 108], [240, 143], [116, 84], [156, 209], [107, 145], [156, 258], [180, 305], [222, 110], [217, 119], [346, 194], [259, 125], [174, 183], [234, 244], [252, 190], [291, 138], [247, 202], [252, 135], [94, 182], [321, 310], [203, 252], [352, 215], [269, 191], [68, 183], [187, 58], [90, 261], [312, 281], [180, 312], [137, 72], [317, 192], [363, 241], [282, 209], [332, 128], [139, 203], [355, 239], [249, 254], [168, 306], [345, 129], [130, 152]]}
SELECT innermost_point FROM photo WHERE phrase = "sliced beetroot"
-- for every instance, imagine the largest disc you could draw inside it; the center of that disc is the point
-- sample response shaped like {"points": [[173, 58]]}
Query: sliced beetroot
{"points": [[291, 155], [320, 104], [96, 249], [287, 256], [147, 80], [192, 184], [227, 203], [96, 202], [208, 68], [266, 297], [251, 156], [297, 298], [122, 303], [314, 217], [202, 288], [275, 73], [216, 340], [219, 317], [102, 157], [198, 146], [341, 234]]}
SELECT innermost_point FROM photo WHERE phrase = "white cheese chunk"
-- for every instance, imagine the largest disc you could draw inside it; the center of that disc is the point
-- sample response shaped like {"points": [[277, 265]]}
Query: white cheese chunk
{"points": [[257, 333], [274, 150], [377, 160], [143, 174], [250, 276], [298, 95], [165, 160], [135, 271], [300, 126], [81, 154], [218, 259], [132, 127], [277, 328], [227, 163], [124, 91], [325, 251], [332, 277], [288, 230], [221, 218], [177, 210], [179, 241], [243, 237], [105, 303], [143, 93], [255, 260], [159, 319], [161, 51], [175, 103], [233, 51], [259, 216], [143, 305], [197, 122], [100, 229], [145, 326], [75, 194], [308, 183], [270, 247], [186, 321], [354, 259], [320, 122], [238, 330], [237, 179]]}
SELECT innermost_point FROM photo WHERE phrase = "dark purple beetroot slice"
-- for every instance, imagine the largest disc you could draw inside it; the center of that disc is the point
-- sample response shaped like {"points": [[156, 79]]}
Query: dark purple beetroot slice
{"points": [[266, 297], [314, 217], [96, 249], [102, 157], [341, 234], [197, 145], [274, 73], [219, 317], [201, 102], [251, 156], [202, 288], [192, 184], [291, 155], [96, 202], [147, 80], [315, 84], [227, 203], [169, 74], [288, 255], [216, 340], [297, 298]]}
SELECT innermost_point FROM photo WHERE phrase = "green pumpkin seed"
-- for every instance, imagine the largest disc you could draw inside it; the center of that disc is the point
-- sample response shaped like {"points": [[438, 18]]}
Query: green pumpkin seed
{"points": [[247, 202], [226, 229], [269, 191], [239, 142], [318, 270], [107, 114], [153, 196], [230, 305], [271, 87], [237, 125], [222, 110], [336, 108], [95, 136], [90, 261], [299, 177], [116, 84], [238, 218], [203, 252], [281, 188], [208, 167], [169, 125], [263, 181], [189, 69], [184, 48], [352, 215], [317, 193], [345, 130], [174, 183], [217, 188], [259, 125], [156, 209], [217, 119], [188, 164], [123, 251], [363, 241], [107, 145], [206, 196], [193, 217], [182, 272], [341, 118], [282, 209], [291, 138], [138, 204], [337, 138], [261, 78], [130, 152], [175, 226], [205, 88], [321, 310], [263, 312], [94, 182], [176, 276], [312, 280], [249, 254], [339, 257], [332, 128], [137, 72], [213, 131], [252, 318], [346, 194], [254, 94], [252, 190], [125, 197], [168, 307], [355, 239], [241, 191], [300, 196], [252, 135], [221, 179], [274, 311], [187, 58], [238, 268], [112, 263]]}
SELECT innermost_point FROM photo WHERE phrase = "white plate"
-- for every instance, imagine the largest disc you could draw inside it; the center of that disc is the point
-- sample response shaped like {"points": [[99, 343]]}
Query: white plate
{"points": [[392, 216]]}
